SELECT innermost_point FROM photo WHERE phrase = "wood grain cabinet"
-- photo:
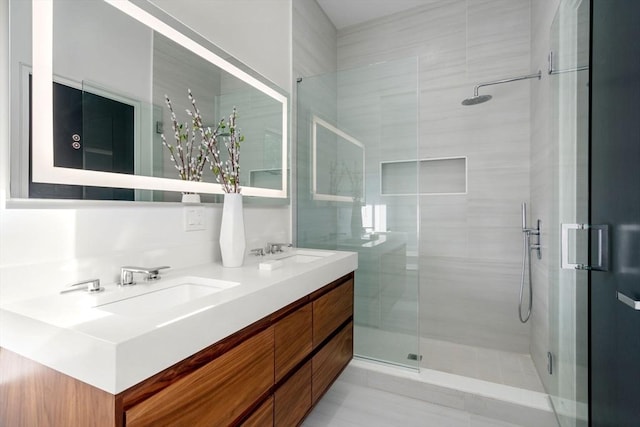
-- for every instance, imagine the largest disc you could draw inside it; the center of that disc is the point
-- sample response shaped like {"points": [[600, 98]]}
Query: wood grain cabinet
{"points": [[293, 340], [330, 310], [261, 417], [331, 360], [216, 394], [293, 398], [270, 373]]}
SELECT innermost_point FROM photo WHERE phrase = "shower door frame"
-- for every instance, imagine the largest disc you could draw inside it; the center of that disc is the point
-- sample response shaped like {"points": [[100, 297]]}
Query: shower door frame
{"points": [[568, 356]]}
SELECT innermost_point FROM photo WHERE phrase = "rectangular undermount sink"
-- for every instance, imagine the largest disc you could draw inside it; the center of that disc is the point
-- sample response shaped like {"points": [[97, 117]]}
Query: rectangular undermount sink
{"points": [[301, 259], [297, 256], [305, 256], [170, 295]]}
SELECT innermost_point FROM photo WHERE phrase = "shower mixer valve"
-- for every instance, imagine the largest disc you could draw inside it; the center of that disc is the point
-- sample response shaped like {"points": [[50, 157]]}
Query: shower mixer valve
{"points": [[531, 232], [534, 246]]}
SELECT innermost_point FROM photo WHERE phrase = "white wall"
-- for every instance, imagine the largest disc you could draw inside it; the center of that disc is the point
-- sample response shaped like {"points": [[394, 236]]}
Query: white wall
{"points": [[470, 245], [46, 246]]}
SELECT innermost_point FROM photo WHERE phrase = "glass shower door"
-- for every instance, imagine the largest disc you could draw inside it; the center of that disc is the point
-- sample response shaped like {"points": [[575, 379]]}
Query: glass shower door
{"points": [[356, 175], [568, 297]]}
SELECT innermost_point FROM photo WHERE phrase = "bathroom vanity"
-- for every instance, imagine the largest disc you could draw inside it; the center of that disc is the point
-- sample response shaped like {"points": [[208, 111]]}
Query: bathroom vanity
{"points": [[269, 364]]}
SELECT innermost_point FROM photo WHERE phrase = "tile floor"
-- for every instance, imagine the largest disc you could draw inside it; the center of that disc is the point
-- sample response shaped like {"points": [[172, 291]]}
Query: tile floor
{"points": [[351, 405]]}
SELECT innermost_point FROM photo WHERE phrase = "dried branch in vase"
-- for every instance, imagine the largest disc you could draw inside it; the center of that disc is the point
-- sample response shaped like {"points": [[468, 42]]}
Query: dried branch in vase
{"points": [[189, 165]]}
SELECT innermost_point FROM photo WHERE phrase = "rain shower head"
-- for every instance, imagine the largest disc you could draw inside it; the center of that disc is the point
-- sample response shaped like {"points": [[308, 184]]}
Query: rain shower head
{"points": [[479, 99]]}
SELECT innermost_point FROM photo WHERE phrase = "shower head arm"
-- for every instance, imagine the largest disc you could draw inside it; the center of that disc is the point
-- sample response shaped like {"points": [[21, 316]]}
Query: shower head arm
{"points": [[537, 75]]}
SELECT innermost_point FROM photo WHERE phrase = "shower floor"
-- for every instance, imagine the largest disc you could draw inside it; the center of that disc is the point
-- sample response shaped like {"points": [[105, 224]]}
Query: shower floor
{"points": [[501, 367]]}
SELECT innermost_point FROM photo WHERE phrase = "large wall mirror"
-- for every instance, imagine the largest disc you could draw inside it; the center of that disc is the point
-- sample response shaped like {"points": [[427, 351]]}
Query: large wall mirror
{"points": [[89, 80]]}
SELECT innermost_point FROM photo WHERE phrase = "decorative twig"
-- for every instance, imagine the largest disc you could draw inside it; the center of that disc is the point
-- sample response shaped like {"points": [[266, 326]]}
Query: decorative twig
{"points": [[189, 167], [227, 173]]}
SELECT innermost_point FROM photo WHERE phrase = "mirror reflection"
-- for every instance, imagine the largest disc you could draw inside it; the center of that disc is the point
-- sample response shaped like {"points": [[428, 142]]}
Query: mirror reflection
{"points": [[111, 74], [338, 163]]}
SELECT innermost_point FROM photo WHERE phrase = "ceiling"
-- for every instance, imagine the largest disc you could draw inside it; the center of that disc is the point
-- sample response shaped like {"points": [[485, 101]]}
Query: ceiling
{"points": [[344, 13]]}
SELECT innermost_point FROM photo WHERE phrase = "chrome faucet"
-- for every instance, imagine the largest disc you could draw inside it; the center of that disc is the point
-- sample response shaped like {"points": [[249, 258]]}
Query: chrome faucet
{"points": [[92, 285], [126, 274], [257, 251], [274, 248]]}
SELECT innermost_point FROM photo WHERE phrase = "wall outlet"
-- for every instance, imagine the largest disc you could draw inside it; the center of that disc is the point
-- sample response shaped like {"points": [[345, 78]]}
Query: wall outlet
{"points": [[194, 218]]}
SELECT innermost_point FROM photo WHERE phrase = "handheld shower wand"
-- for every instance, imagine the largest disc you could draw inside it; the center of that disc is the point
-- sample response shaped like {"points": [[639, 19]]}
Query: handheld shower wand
{"points": [[527, 247]]}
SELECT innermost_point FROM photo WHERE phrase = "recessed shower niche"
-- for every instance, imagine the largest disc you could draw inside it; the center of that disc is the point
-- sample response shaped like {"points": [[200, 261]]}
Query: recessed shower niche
{"points": [[445, 175]]}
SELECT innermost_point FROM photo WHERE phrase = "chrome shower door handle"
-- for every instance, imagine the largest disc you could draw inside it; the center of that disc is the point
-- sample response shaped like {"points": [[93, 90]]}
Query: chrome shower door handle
{"points": [[564, 247], [602, 260]]}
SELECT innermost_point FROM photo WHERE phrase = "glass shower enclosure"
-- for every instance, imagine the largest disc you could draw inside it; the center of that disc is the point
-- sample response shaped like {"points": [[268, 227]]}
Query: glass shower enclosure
{"points": [[357, 181], [568, 297]]}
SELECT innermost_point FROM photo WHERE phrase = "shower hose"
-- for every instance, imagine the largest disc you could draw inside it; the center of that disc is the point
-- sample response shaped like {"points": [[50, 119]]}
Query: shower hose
{"points": [[526, 259]]}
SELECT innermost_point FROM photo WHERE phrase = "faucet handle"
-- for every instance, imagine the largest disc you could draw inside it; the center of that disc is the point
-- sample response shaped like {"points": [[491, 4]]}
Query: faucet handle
{"points": [[154, 272], [126, 273], [92, 285]]}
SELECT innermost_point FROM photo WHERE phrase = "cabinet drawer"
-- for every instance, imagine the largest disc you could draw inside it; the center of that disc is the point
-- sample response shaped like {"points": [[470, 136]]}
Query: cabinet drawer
{"points": [[293, 398], [331, 310], [262, 417], [330, 360], [216, 394], [293, 339]]}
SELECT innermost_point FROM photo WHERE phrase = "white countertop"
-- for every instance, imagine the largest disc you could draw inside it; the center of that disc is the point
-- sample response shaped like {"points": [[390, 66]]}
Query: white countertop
{"points": [[72, 334]]}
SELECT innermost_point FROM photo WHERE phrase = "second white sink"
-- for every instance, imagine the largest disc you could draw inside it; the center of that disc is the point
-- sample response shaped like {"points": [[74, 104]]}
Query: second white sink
{"points": [[305, 256], [301, 259]]}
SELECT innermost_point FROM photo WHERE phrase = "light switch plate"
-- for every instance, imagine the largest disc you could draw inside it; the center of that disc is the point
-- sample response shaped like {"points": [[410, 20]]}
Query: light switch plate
{"points": [[193, 218]]}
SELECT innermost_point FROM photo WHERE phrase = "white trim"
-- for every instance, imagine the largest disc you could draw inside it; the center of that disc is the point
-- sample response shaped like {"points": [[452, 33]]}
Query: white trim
{"points": [[43, 167]]}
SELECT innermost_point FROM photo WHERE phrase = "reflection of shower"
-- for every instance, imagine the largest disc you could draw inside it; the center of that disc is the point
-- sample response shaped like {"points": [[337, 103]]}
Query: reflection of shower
{"points": [[526, 256], [479, 99]]}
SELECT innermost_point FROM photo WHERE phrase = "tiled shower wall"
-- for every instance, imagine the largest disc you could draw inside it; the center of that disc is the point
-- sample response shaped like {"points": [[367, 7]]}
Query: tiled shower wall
{"points": [[470, 244]]}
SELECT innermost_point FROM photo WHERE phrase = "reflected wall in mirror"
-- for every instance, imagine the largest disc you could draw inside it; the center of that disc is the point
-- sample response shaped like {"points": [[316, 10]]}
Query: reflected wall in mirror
{"points": [[338, 164], [90, 84]]}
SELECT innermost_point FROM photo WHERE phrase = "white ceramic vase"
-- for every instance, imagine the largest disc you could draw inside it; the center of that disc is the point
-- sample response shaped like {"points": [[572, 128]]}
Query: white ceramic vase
{"points": [[232, 241]]}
